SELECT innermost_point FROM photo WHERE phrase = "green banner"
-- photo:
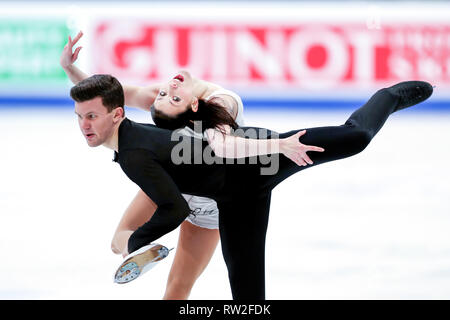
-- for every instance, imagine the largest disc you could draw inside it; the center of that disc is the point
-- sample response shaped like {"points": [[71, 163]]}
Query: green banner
{"points": [[30, 51]]}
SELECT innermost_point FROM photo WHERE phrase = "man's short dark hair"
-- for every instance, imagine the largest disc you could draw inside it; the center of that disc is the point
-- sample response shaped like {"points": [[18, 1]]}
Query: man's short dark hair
{"points": [[100, 85]]}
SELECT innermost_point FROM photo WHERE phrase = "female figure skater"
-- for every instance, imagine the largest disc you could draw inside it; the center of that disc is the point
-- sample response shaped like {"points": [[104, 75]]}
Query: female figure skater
{"points": [[169, 101], [244, 214], [242, 228], [145, 154]]}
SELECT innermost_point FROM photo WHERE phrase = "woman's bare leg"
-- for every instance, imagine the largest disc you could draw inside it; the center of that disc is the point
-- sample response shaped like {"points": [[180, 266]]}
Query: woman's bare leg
{"points": [[195, 248], [140, 210], [194, 251]]}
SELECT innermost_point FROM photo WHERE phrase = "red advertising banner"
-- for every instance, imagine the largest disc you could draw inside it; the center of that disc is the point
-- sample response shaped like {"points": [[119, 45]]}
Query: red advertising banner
{"points": [[307, 56]]}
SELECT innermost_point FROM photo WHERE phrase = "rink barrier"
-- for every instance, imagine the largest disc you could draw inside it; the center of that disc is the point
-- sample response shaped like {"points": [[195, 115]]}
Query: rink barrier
{"points": [[249, 103]]}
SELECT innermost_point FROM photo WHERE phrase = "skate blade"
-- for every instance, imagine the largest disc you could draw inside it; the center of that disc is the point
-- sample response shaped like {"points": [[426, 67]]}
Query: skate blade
{"points": [[143, 260], [127, 273]]}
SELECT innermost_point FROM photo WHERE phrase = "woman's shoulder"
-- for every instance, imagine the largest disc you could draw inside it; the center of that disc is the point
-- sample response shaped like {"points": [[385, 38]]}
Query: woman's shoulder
{"points": [[234, 100], [219, 91]]}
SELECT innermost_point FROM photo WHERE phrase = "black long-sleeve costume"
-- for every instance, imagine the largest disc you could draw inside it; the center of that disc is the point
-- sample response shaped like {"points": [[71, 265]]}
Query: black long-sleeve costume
{"points": [[242, 193]]}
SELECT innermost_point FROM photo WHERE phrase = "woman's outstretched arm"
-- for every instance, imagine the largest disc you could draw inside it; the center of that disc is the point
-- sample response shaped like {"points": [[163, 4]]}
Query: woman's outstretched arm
{"points": [[141, 97], [226, 145]]}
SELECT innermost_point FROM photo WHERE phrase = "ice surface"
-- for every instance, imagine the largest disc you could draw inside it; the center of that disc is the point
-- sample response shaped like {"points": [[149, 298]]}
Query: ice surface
{"points": [[374, 226]]}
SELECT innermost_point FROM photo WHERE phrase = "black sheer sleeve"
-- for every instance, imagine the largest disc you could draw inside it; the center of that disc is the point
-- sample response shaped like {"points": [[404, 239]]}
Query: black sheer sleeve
{"points": [[172, 209]]}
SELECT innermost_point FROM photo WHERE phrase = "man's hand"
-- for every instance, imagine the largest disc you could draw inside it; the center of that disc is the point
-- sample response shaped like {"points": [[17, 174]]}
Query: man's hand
{"points": [[67, 57], [296, 151]]}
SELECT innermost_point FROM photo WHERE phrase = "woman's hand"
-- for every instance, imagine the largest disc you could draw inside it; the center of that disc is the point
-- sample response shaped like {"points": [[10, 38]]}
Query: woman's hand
{"points": [[292, 148], [67, 57]]}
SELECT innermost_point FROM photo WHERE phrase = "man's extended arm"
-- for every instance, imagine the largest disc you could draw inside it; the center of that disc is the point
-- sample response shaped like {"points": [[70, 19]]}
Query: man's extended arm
{"points": [[172, 209]]}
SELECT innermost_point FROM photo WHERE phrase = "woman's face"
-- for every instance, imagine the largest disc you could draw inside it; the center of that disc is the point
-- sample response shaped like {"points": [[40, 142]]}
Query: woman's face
{"points": [[176, 96]]}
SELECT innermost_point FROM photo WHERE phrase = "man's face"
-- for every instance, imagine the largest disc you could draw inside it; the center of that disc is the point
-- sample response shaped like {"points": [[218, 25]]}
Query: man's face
{"points": [[96, 123]]}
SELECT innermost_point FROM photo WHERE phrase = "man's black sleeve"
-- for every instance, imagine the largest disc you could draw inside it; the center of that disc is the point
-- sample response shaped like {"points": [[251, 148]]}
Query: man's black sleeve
{"points": [[172, 209]]}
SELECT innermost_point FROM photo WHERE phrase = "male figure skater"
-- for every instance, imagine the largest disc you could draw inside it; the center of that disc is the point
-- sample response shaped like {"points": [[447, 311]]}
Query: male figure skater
{"points": [[144, 153]]}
